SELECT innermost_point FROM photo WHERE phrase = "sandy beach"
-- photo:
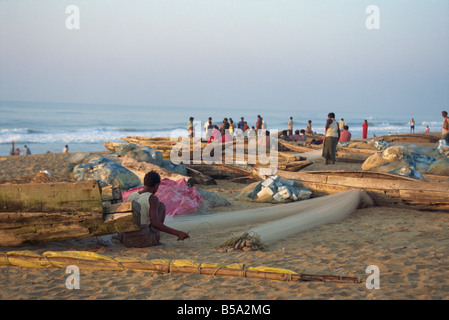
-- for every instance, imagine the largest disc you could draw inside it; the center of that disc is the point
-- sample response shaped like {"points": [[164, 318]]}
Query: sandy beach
{"points": [[410, 248]]}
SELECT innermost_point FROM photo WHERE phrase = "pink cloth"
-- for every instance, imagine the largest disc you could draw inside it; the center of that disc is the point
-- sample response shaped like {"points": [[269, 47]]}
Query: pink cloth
{"points": [[177, 196]]}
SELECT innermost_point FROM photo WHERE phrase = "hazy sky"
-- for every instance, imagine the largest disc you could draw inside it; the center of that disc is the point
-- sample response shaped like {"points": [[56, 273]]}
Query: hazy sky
{"points": [[298, 55]]}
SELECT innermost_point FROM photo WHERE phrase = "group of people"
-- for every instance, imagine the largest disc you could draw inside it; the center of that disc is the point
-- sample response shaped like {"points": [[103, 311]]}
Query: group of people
{"points": [[227, 129], [16, 152], [26, 150]]}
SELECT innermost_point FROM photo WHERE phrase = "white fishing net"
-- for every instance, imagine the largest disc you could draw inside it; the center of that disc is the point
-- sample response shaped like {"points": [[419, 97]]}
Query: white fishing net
{"points": [[278, 222]]}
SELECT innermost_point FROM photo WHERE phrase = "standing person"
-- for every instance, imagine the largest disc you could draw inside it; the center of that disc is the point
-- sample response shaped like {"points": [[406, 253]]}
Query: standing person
{"points": [[190, 127], [245, 127], [412, 126], [331, 136], [231, 126], [241, 123], [152, 216], [66, 149], [309, 127], [341, 124], [290, 127], [208, 127], [259, 123], [427, 129], [365, 129], [26, 150], [445, 132], [224, 126]]}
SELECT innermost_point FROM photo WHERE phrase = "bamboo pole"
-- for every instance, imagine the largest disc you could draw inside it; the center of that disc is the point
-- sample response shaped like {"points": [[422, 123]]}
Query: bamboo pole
{"points": [[97, 262]]}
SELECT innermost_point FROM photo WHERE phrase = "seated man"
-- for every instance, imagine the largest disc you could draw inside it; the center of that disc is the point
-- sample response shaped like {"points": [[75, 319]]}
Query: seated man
{"points": [[345, 135], [299, 135], [283, 135], [152, 216]]}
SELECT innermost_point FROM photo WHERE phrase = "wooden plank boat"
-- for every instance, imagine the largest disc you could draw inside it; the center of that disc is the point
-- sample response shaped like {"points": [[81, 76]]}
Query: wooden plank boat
{"points": [[385, 189], [44, 212]]}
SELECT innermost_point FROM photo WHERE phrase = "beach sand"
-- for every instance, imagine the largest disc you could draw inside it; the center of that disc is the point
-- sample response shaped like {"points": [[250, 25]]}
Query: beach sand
{"points": [[410, 248]]}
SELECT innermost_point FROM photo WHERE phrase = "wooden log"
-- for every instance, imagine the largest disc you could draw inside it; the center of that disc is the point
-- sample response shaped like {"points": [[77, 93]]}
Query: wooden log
{"points": [[111, 193], [81, 197], [199, 177], [297, 165], [224, 171]]}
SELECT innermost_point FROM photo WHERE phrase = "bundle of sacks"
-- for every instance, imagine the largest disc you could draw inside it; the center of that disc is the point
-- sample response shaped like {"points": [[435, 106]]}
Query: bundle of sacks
{"points": [[274, 190], [411, 161], [92, 166]]}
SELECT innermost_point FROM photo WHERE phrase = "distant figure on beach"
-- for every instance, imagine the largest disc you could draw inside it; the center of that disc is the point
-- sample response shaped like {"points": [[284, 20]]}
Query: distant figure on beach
{"points": [[224, 126], [265, 140], [245, 127], [17, 152], [284, 136], [345, 135], [258, 123], [152, 216], [231, 126], [412, 126], [290, 127], [427, 129], [365, 129], [241, 124], [331, 136], [66, 149], [208, 127], [341, 124], [252, 132], [190, 127], [26, 150], [309, 127], [445, 132], [299, 135], [215, 134]]}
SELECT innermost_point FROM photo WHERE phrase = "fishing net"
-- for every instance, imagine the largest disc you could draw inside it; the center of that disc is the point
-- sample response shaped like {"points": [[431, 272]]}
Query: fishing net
{"points": [[278, 222]]}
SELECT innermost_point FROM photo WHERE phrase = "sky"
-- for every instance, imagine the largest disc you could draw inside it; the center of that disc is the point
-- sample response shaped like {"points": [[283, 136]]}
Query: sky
{"points": [[290, 54]]}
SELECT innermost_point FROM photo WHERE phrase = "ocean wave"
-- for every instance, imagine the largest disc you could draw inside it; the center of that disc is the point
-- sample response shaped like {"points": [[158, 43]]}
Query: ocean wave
{"points": [[88, 135]]}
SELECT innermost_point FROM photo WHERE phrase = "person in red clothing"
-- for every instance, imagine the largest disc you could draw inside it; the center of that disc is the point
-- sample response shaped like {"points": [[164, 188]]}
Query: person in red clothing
{"points": [[215, 134], [365, 129], [345, 135]]}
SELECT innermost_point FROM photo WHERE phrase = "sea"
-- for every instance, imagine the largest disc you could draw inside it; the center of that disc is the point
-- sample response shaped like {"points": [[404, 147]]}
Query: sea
{"points": [[48, 127]]}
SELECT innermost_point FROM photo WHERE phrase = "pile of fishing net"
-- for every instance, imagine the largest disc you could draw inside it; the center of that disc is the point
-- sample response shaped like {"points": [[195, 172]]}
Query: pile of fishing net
{"points": [[278, 222]]}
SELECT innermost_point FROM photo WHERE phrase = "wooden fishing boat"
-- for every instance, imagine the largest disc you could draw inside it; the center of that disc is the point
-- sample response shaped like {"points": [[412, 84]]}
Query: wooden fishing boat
{"points": [[385, 189], [45, 212]]}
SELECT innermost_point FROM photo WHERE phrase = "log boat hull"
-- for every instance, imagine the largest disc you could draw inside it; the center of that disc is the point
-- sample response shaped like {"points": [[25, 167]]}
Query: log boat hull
{"points": [[385, 189]]}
